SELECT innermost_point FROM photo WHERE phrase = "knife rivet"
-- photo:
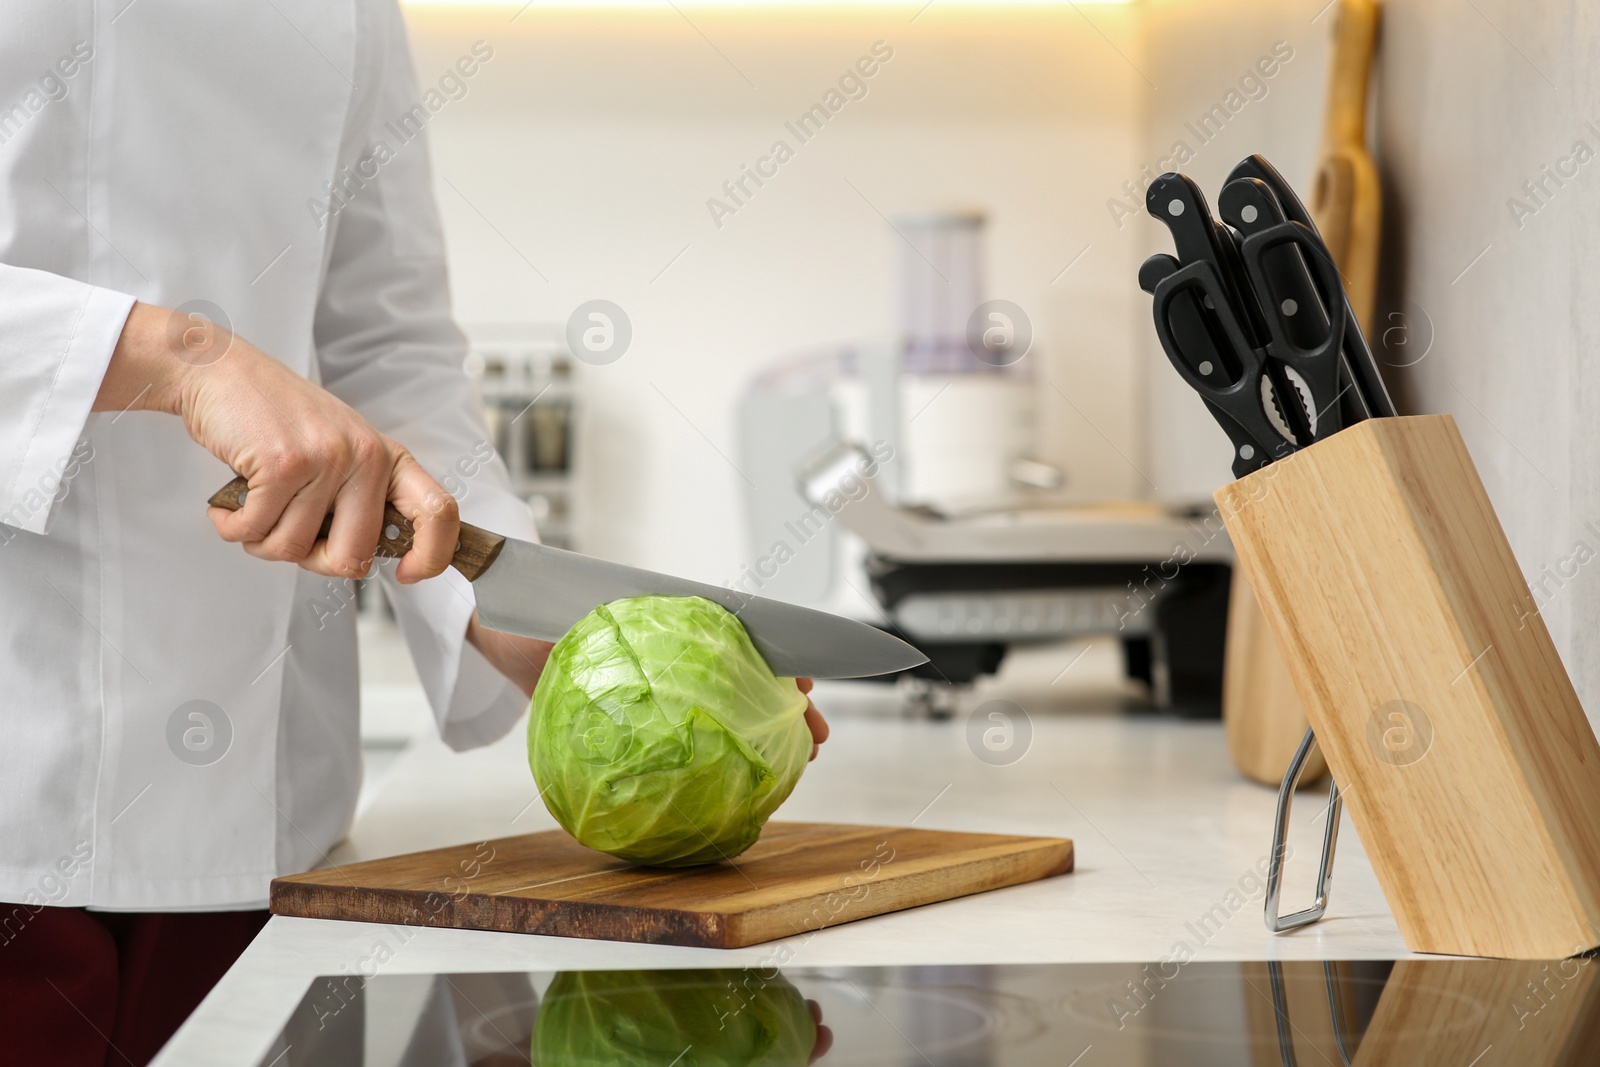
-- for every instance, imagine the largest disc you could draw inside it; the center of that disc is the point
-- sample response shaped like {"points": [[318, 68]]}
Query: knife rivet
{"points": [[1248, 213], [1205, 367], [1175, 208], [391, 532], [243, 493], [1247, 451], [1290, 307]]}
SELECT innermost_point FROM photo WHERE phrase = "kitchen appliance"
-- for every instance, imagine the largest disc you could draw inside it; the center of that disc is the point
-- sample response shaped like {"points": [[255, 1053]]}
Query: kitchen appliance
{"points": [[1261, 712], [1428, 677], [538, 591], [965, 588], [1375, 1013], [798, 877], [961, 545], [966, 389]]}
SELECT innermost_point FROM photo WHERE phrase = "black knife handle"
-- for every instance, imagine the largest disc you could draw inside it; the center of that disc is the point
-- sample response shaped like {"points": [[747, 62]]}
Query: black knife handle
{"points": [[1154, 269]]}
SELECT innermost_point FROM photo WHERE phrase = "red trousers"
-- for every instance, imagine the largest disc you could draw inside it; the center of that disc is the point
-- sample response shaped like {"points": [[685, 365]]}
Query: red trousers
{"points": [[86, 989]]}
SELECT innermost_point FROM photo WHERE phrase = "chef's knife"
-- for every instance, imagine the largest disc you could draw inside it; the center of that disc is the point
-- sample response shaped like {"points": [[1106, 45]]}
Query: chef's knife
{"points": [[538, 591], [1177, 200]]}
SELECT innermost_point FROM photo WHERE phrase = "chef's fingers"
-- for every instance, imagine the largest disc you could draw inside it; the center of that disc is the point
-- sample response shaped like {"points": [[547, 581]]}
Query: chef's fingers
{"points": [[435, 522], [348, 549], [824, 1039], [263, 505], [824, 1044], [295, 533], [818, 727]]}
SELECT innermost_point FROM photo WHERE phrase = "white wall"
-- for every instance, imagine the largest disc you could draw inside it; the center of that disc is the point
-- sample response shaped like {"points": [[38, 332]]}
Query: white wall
{"points": [[1471, 108], [590, 143], [1200, 50]]}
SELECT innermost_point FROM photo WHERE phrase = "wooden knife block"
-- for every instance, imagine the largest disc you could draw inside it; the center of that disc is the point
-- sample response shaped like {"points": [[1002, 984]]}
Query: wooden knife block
{"points": [[1446, 717], [1261, 713]]}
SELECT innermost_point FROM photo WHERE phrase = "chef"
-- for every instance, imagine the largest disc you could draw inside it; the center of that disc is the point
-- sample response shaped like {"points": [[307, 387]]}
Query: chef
{"points": [[214, 256]]}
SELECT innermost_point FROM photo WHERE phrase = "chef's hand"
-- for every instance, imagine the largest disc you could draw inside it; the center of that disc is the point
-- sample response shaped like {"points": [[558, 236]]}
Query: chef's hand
{"points": [[520, 659], [814, 720], [305, 452]]}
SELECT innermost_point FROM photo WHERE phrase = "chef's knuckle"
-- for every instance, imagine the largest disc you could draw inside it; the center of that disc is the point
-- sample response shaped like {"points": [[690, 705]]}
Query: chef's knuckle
{"points": [[292, 547], [442, 507], [293, 465], [367, 450]]}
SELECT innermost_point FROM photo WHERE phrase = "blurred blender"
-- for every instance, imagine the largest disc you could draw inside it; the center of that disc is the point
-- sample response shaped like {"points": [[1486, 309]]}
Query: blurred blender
{"points": [[966, 392]]}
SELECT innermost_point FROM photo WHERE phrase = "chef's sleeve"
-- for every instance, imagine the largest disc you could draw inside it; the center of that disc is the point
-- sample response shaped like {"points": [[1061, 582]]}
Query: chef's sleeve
{"points": [[387, 346], [56, 339]]}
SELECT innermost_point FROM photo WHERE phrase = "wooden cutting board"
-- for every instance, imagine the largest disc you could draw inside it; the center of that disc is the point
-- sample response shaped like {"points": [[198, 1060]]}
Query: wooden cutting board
{"points": [[799, 877]]}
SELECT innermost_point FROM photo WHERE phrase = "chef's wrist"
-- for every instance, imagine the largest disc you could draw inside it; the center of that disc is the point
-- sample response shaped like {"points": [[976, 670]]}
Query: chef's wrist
{"points": [[520, 659], [152, 363]]}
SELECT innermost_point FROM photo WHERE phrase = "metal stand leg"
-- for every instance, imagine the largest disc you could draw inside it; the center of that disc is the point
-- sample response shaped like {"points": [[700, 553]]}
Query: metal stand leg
{"points": [[1280, 1008], [1280, 837]]}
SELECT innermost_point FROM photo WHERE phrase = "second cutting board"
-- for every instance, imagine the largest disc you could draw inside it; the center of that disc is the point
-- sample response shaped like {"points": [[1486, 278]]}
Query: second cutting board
{"points": [[799, 877]]}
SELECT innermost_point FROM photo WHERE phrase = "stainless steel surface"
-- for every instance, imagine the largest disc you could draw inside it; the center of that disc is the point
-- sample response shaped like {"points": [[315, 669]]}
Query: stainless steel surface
{"points": [[1076, 534], [1280, 836], [1285, 1025], [539, 591], [1021, 615]]}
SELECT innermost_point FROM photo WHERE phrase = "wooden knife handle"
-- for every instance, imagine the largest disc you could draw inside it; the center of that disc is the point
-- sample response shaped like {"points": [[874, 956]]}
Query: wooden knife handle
{"points": [[474, 551]]}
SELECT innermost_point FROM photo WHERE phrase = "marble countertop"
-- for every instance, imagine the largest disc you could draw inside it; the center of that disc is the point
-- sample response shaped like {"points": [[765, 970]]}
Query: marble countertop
{"points": [[1170, 843]]}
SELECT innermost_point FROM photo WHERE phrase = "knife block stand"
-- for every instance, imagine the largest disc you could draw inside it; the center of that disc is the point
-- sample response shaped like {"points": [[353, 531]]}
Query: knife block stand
{"points": [[1261, 713], [1437, 697]]}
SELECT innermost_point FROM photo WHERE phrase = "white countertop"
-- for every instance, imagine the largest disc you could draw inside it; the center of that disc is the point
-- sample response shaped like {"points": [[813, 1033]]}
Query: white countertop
{"points": [[1165, 832]]}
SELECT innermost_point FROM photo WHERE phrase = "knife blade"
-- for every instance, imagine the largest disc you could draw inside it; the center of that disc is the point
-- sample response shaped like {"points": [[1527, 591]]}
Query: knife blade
{"points": [[538, 591]]}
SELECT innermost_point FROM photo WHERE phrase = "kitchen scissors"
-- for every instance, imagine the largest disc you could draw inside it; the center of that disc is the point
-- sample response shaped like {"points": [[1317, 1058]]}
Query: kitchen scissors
{"points": [[1234, 332]]}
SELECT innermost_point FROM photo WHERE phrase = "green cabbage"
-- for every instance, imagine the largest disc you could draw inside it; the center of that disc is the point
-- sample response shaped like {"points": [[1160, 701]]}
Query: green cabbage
{"points": [[659, 734], [704, 1018]]}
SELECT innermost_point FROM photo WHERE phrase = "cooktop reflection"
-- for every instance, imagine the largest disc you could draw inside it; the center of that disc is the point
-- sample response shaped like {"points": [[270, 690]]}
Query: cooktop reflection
{"points": [[1372, 1013]]}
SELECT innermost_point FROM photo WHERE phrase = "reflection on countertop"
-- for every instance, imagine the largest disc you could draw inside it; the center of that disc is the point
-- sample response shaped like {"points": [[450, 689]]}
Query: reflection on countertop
{"points": [[1375, 1013]]}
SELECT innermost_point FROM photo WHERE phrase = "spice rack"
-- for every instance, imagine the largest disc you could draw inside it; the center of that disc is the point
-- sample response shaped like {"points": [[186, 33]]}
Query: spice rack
{"points": [[530, 406]]}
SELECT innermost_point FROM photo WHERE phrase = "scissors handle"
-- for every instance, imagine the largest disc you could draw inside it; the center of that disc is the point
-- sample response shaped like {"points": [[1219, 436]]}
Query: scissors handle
{"points": [[1367, 396], [1319, 363], [1194, 319]]}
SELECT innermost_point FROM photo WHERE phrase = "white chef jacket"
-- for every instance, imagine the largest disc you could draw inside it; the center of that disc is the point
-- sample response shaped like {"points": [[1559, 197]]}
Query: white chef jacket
{"points": [[172, 151]]}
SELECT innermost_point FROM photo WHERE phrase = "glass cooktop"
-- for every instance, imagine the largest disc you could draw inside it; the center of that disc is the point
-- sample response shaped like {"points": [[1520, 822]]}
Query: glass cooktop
{"points": [[1463, 1013]]}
